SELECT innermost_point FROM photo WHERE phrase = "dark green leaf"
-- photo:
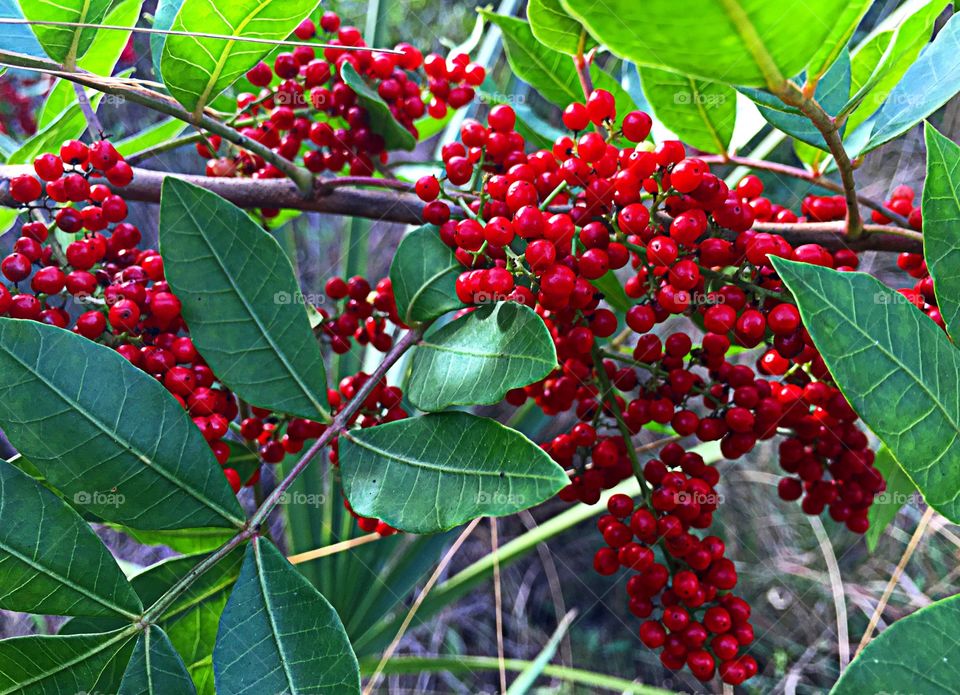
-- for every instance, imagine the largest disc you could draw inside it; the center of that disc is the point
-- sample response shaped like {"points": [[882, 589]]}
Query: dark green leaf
{"points": [[895, 366], [941, 225], [435, 472], [65, 44], [241, 301], [44, 665], [700, 112], [424, 273], [192, 621], [477, 358], [553, 27], [550, 72], [886, 505], [196, 69], [926, 86], [917, 654], [135, 458], [50, 560], [155, 668], [743, 42], [832, 94], [280, 635], [395, 136]]}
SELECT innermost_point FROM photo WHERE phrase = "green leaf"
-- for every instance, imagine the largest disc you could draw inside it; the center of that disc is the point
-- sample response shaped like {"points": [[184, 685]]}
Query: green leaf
{"points": [[68, 124], [832, 94], [50, 560], [613, 291], [162, 20], [184, 540], [843, 27], [65, 44], [100, 59], [124, 458], [550, 72], [523, 683], [149, 137], [700, 112], [435, 472], [928, 84], [241, 301], [197, 69], [554, 28], [278, 621], [743, 42], [940, 206], [155, 668], [477, 358], [192, 621], [395, 136], [886, 505], [896, 367], [424, 273], [917, 654], [879, 62], [44, 665]]}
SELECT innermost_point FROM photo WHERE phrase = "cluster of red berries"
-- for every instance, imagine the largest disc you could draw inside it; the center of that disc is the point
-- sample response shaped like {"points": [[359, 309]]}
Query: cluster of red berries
{"points": [[104, 287], [365, 315], [305, 110], [543, 228]]}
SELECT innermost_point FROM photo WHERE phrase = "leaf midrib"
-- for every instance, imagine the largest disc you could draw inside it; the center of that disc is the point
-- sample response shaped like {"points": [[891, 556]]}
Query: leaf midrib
{"points": [[115, 436], [268, 609]]}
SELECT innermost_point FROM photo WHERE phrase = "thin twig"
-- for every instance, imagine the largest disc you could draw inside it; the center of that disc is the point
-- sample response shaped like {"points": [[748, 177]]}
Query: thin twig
{"points": [[895, 577], [94, 126], [327, 550], [444, 561]]}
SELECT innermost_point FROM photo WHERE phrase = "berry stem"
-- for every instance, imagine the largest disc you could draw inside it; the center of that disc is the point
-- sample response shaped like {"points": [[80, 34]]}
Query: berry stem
{"points": [[94, 126]]}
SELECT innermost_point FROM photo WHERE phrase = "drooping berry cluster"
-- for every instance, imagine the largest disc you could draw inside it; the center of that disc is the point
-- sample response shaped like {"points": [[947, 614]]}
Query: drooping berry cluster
{"points": [[544, 228]]}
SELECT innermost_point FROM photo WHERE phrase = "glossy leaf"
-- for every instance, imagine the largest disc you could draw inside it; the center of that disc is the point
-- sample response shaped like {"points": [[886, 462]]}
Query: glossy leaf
{"points": [[61, 43], [477, 358], [163, 20], [879, 62], [553, 27], [886, 505], [550, 72], [44, 665], [843, 27], [940, 206], [424, 273], [743, 42], [50, 560], [613, 292], [105, 454], [395, 136], [927, 85], [185, 540], [280, 635], [153, 135], [700, 112], [192, 621], [917, 654], [100, 59], [241, 301], [896, 367], [69, 123], [155, 668], [197, 69], [435, 472], [832, 94]]}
